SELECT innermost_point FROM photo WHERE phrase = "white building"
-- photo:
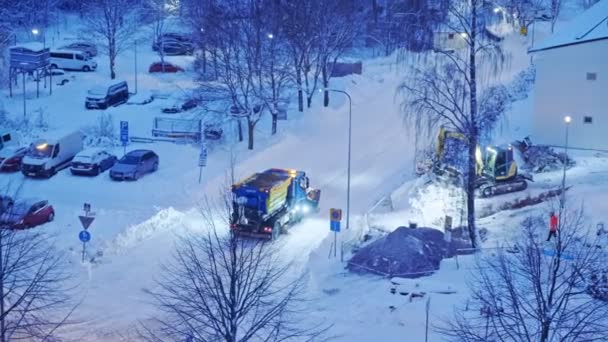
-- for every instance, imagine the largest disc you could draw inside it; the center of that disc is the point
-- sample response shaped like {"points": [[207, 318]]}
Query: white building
{"points": [[572, 80]]}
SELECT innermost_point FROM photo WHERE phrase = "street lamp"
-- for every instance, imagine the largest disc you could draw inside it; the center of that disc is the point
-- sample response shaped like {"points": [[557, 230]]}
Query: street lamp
{"points": [[350, 116], [270, 36], [36, 32], [567, 121]]}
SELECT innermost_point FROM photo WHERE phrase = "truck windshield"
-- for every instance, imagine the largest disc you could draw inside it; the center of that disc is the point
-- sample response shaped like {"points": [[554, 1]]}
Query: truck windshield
{"points": [[40, 151]]}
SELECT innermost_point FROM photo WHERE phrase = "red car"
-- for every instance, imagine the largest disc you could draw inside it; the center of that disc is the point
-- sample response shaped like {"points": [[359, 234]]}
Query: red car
{"points": [[11, 157], [158, 67], [27, 213]]}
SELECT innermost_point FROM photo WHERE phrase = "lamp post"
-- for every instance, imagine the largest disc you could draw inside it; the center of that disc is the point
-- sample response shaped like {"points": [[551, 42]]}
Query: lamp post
{"points": [[567, 120], [135, 62], [350, 116], [36, 32]]}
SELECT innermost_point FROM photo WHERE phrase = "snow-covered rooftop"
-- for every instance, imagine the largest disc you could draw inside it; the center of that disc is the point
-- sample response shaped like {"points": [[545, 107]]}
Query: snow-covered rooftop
{"points": [[591, 25]]}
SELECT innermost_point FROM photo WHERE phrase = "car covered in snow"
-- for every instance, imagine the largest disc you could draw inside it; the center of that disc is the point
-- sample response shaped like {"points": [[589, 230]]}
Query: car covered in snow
{"points": [[27, 213], [11, 158], [88, 48], [168, 67], [134, 164], [92, 162]]}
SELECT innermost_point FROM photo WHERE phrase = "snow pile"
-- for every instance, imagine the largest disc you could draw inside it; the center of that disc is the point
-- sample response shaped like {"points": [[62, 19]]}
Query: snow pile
{"points": [[522, 84], [432, 202], [167, 220], [406, 252], [539, 158]]}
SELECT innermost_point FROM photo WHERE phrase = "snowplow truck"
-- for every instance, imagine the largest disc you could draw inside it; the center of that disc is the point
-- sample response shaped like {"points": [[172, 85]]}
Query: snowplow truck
{"points": [[265, 204]]}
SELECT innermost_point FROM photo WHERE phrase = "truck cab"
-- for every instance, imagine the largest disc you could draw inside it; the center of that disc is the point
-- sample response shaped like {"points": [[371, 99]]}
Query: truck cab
{"points": [[268, 202]]}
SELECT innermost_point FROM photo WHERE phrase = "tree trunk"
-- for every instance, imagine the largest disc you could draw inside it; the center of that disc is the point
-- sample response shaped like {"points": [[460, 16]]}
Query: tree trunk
{"points": [[473, 132], [250, 127], [112, 67], [309, 101], [240, 129], [2, 313], [325, 86], [274, 123], [300, 91]]}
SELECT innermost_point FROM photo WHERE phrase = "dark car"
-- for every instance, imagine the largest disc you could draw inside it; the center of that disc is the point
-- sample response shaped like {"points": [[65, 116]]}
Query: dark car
{"points": [[88, 48], [190, 104], [171, 37], [27, 213], [11, 157], [134, 164], [158, 67], [175, 48], [92, 162]]}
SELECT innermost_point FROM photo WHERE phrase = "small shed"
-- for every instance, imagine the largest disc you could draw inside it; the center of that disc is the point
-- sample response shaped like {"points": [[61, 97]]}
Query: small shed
{"points": [[29, 57]]}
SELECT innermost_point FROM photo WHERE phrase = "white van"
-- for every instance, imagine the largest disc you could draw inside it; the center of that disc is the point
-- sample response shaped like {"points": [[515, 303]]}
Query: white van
{"points": [[47, 156], [71, 60]]}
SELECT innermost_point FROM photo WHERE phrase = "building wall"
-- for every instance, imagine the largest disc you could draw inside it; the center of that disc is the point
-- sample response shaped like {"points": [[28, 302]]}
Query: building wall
{"points": [[562, 88]]}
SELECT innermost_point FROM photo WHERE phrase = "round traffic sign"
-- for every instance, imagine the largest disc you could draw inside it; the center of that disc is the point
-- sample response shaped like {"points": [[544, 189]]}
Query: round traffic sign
{"points": [[84, 236], [335, 215]]}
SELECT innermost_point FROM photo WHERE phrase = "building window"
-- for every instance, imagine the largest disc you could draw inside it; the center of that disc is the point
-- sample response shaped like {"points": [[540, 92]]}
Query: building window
{"points": [[450, 36], [591, 76], [588, 119]]}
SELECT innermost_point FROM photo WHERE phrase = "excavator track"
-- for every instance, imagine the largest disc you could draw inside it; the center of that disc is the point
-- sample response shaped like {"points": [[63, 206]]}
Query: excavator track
{"points": [[491, 189]]}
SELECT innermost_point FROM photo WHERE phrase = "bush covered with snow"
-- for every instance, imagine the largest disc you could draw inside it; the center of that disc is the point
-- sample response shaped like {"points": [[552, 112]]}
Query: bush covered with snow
{"points": [[406, 252], [102, 134]]}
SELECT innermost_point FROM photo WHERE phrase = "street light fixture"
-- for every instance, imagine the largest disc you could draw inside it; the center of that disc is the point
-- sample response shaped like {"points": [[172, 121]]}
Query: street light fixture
{"points": [[270, 36], [35, 32], [350, 116], [567, 121]]}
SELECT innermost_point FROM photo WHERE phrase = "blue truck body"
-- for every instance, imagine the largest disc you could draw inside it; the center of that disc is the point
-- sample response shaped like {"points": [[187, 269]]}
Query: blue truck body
{"points": [[266, 203]]}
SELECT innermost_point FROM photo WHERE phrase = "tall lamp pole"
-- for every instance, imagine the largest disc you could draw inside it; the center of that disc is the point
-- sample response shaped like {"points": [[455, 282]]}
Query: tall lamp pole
{"points": [[350, 116], [567, 120]]}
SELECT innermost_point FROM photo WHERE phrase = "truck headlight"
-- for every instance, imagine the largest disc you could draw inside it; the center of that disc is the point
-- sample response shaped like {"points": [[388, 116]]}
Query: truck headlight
{"points": [[305, 209]]}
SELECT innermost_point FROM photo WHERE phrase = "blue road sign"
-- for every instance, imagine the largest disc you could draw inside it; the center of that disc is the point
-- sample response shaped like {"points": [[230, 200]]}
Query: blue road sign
{"points": [[84, 236], [552, 252], [334, 226], [335, 214], [124, 132]]}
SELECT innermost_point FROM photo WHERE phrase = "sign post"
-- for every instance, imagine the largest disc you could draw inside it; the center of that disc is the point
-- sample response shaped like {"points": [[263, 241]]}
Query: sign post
{"points": [[202, 162], [84, 236], [124, 135], [335, 216]]}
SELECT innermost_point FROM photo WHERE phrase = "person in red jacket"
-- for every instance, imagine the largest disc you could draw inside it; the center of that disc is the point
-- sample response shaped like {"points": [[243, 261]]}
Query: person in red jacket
{"points": [[552, 226]]}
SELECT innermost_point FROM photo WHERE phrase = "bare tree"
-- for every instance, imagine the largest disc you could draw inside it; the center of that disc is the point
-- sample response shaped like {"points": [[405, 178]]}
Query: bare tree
{"points": [[242, 46], [34, 296], [222, 288], [113, 22], [555, 9], [159, 11], [536, 292], [447, 92], [301, 33], [336, 35]]}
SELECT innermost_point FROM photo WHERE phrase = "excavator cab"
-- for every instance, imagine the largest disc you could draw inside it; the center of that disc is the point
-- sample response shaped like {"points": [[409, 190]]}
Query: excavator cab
{"points": [[499, 164]]}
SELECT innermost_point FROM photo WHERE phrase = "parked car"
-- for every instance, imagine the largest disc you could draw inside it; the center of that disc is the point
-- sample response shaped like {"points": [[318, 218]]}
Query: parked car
{"points": [[170, 37], [11, 158], [71, 60], [27, 213], [176, 48], [88, 48], [134, 164], [5, 203], [92, 162], [104, 96], [190, 104], [158, 67], [48, 156]]}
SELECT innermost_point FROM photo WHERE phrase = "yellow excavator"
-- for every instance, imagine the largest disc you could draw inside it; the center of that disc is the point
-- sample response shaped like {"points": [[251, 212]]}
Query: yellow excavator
{"points": [[496, 169]]}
